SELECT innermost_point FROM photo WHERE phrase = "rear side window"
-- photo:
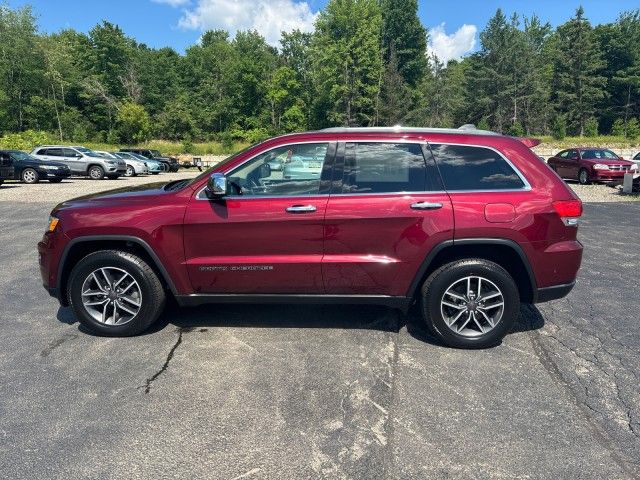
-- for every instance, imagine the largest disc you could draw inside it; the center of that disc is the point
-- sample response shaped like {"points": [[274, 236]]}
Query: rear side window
{"points": [[383, 168], [465, 167]]}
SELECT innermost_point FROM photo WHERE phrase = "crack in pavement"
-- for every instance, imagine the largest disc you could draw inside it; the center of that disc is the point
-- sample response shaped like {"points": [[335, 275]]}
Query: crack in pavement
{"points": [[600, 434], [150, 380]]}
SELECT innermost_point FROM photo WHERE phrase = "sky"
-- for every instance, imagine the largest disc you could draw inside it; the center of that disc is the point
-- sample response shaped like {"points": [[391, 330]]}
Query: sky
{"points": [[453, 26]]}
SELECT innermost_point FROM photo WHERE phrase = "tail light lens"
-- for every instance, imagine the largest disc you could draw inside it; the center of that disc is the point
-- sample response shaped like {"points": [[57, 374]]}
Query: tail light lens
{"points": [[569, 211]]}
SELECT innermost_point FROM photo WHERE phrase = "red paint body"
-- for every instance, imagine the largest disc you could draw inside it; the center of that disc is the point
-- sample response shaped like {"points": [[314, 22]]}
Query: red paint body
{"points": [[351, 245]]}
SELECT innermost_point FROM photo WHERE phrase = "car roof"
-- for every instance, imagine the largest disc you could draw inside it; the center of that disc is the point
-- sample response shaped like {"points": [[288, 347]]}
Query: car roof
{"points": [[465, 129], [60, 146]]}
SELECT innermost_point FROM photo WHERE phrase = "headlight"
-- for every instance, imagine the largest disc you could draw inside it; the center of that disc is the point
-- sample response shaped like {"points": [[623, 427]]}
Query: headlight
{"points": [[600, 166], [50, 167], [112, 162], [53, 223], [633, 167]]}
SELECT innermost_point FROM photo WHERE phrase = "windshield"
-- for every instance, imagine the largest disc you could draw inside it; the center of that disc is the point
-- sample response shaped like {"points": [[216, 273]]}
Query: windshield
{"points": [[594, 154], [18, 155], [89, 152], [208, 171], [155, 153]]}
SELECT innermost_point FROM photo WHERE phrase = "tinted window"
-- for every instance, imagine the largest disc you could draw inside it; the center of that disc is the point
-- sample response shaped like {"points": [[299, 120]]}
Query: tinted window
{"points": [[564, 154], [69, 153], [596, 154], [383, 168], [474, 168], [290, 170], [55, 152]]}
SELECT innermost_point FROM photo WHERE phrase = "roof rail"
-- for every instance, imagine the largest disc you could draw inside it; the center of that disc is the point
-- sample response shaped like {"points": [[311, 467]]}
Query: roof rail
{"points": [[468, 129]]}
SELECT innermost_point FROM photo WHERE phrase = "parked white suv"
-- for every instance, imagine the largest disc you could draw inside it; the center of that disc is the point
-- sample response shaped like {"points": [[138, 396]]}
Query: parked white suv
{"points": [[82, 161]]}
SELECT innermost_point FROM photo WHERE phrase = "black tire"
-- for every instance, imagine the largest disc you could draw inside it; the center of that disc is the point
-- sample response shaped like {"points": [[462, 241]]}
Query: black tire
{"points": [[30, 176], [96, 172], [113, 177], [152, 293], [55, 180], [583, 177], [130, 171], [1, 182], [435, 287]]}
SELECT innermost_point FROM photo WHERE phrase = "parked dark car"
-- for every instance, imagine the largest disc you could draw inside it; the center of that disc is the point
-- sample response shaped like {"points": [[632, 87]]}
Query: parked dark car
{"points": [[171, 164], [6, 167], [591, 165], [467, 224], [31, 170]]}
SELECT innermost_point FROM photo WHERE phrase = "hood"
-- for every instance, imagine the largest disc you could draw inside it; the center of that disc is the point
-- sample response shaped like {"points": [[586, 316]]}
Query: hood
{"points": [[608, 161], [119, 196]]}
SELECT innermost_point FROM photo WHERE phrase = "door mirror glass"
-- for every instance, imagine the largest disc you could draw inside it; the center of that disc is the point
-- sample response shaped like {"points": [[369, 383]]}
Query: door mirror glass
{"points": [[216, 186]]}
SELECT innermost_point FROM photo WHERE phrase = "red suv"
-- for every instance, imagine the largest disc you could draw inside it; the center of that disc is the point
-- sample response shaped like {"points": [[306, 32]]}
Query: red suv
{"points": [[467, 223], [591, 165]]}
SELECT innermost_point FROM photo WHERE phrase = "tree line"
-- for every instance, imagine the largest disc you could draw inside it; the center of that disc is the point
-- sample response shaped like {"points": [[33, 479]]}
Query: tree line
{"points": [[366, 64]]}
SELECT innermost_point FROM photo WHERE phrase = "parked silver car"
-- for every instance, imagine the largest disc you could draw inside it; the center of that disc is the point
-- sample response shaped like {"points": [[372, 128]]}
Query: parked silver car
{"points": [[153, 166], [82, 161], [134, 167]]}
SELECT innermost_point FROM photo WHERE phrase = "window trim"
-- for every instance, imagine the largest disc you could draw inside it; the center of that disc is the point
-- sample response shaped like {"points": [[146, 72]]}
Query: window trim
{"points": [[327, 167], [525, 188]]}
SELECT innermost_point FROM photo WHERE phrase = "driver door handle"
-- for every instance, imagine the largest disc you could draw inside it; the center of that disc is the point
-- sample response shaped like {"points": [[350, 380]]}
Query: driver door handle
{"points": [[301, 209], [426, 206]]}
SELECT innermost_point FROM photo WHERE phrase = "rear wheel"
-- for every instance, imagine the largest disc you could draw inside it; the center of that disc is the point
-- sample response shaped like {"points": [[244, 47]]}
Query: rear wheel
{"points": [[96, 172], [583, 176], [470, 303], [29, 175], [115, 293]]}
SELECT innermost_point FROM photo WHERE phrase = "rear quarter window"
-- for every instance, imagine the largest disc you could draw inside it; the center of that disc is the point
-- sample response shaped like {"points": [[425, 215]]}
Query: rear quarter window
{"points": [[465, 167]]}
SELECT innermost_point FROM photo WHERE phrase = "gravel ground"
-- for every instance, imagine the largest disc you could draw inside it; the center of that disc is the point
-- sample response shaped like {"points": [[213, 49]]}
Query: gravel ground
{"points": [[76, 187]]}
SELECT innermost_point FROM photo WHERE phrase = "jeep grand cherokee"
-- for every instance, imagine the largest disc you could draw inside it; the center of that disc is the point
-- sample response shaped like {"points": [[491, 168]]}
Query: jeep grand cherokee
{"points": [[467, 223]]}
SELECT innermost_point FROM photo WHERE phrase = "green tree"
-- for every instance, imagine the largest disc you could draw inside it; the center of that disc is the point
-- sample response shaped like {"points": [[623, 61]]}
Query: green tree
{"points": [[578, 61], [404, 36], [134, 124], [347, 63]]}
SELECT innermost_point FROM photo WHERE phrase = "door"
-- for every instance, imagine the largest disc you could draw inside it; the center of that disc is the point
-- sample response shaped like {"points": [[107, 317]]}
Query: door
{"points": [[266, 235], [73, 160], [572, 165], [387, 212]]}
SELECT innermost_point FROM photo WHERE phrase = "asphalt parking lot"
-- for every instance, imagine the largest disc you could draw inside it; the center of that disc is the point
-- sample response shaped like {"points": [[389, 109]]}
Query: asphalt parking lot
{"points": [[257, 392]]}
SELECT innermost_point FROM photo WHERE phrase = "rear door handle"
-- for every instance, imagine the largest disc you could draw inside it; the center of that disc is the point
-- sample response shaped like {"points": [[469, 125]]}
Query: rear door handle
{"points": [[426, 206], [301, 209]]}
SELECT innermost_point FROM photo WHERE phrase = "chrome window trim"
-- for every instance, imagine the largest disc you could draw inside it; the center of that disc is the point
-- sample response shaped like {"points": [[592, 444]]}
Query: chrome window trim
{"points": [[527, 185]]}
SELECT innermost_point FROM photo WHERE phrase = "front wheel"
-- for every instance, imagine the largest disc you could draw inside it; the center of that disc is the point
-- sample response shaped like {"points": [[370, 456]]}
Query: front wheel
{"points": [[470, 303], [29, 175], [130, 171], [96, 172], [583, 176], [115, 293]]}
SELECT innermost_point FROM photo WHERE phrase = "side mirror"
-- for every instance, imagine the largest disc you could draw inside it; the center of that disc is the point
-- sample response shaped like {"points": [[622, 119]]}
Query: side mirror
{"points": [[216, 186]]}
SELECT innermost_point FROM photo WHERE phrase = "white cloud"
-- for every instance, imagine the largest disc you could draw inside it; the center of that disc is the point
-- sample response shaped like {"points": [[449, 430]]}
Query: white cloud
{"points": [[268, 17], [172, 3], [454, 46]]}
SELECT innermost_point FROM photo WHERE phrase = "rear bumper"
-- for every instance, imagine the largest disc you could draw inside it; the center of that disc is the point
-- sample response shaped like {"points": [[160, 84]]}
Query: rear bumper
{"points": [[555, 292]]}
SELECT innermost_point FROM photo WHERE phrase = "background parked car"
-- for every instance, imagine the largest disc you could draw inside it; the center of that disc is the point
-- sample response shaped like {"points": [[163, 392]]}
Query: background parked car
{"points": [[134, 166], [591, 165], [31, 170], [154, 167], [171, 164], [82, 161], [6, 167]]}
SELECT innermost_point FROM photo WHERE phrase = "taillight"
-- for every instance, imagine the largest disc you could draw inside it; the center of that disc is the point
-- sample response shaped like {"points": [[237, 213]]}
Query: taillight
{"points": [[569, 211]]}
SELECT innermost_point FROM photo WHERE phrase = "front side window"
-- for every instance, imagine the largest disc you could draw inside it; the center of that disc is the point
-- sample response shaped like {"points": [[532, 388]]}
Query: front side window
{"points": [[291, 170], [465, 167], [383, 168], [54, 152]]}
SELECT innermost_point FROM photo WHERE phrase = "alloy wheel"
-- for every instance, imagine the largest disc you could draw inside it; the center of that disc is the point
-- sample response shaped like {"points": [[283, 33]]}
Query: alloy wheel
{"points": [[111, 296], [29, 176], [472, 306]]}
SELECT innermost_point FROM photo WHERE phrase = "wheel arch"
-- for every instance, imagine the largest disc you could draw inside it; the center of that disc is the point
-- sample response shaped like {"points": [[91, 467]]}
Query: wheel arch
{"points": [[506, 253], [79, 248]]}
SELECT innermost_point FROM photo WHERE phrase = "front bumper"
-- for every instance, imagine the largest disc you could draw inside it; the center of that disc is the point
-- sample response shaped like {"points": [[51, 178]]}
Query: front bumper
{"points": [[608, 176]]}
